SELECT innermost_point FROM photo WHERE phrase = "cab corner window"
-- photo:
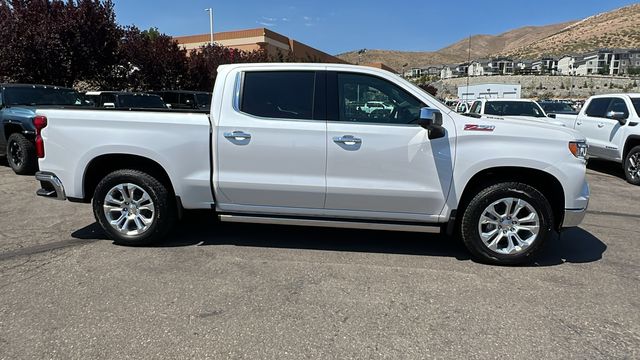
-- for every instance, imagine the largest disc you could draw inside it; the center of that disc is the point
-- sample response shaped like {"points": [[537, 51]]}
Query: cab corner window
{"points": [[279, 94], [364, 98]]}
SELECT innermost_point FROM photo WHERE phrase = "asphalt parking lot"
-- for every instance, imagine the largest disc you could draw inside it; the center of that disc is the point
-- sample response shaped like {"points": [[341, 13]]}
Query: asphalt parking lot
{"points": [[247, 291]]}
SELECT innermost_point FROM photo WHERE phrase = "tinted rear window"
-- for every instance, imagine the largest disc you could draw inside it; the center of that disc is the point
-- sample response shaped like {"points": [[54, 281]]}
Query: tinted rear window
{"points": [[279, 94], [30, 96], [598, 107], [513, 108]]}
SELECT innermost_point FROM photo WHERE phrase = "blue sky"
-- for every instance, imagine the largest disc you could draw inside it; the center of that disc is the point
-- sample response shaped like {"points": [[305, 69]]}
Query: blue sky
{"points": [[336, 26]]}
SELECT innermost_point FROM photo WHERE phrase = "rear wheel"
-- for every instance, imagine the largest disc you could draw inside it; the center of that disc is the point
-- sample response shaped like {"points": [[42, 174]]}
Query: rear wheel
{"points": [[134, 208], [506, 224], [632, 166], [21, 155]]}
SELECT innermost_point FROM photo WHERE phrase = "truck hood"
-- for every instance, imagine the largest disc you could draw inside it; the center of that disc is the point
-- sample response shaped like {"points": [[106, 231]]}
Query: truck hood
{"points": [[529, 119], [528, 127]]}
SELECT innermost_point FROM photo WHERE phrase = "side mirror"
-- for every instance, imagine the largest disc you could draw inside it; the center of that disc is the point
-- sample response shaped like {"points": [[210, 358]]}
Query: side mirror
{"points": [[431, 120], [553, 116], [109, 105], [618, 115]]}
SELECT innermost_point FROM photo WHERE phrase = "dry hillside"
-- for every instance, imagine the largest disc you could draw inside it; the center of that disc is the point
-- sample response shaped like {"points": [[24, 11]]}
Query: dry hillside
{"points": [[615, 29]]}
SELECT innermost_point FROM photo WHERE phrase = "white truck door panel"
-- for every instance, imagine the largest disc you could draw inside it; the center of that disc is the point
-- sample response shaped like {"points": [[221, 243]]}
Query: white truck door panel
{"points": [[602, 133], [273, 160], [394, 169], [382, 161]]}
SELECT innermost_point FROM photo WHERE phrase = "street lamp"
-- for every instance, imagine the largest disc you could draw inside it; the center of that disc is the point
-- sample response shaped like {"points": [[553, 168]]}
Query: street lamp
{"points": [[210, 11]]}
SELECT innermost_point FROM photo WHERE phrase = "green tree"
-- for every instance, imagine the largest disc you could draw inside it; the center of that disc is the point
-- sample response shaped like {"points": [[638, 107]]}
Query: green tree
{"points": [[57, 42]]}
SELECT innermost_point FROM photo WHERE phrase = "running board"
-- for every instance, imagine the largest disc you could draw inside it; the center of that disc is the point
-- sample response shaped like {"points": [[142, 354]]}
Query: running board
{"points": [[344, 224]]}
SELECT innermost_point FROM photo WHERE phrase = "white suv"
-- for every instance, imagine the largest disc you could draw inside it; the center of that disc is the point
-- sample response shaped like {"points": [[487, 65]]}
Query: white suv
{"points": [[521, 109]]}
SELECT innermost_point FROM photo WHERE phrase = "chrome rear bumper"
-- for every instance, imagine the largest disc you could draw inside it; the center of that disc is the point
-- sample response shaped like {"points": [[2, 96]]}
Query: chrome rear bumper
{"points": [[50, 186]]}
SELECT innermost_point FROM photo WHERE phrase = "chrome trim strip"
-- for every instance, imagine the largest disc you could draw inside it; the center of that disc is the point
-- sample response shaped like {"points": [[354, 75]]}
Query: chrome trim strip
{"points": [[573, 217], [432, 229], [52, 179]]}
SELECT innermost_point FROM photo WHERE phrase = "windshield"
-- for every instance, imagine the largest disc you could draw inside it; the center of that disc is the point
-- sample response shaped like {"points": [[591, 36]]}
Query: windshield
{"points": [[558, 107], [204, 100], [636, 104], [30, 96], [513, 108], [141, 101]]}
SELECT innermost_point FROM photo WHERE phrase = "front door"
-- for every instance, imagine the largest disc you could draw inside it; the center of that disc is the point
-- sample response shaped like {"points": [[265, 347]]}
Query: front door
{"points": [[602, 132], [271, 149], [381, 164]]}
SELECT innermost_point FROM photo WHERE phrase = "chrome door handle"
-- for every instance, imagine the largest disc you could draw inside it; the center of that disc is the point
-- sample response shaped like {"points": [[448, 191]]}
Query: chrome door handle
{"points": [[237, 135], [347, 140]]}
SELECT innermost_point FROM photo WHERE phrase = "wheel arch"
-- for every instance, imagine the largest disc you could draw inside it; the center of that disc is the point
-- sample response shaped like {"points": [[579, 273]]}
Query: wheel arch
{"points": [[104, 164], [541, 180], [12, 128], [632, 141]]}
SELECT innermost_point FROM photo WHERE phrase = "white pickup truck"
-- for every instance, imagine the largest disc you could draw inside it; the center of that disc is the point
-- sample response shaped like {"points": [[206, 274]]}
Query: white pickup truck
{"points": [[287, 144], [610, 124]]}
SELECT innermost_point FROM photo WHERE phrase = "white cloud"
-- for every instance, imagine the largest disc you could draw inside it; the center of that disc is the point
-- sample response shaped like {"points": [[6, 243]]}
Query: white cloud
{"points": [[269, 19], [267, 24]]}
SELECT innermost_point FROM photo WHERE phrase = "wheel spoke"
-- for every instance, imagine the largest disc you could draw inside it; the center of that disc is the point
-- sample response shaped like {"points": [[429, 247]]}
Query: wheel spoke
{"points": [[519, 206], [493, 245]]}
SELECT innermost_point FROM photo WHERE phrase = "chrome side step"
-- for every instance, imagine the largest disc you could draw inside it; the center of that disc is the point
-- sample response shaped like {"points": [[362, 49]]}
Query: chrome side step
{"points": [[344, 224]]}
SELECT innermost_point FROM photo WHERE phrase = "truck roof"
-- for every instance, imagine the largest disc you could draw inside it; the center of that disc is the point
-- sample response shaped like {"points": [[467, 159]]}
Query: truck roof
{"points": [[631, 95], [9, 85]]}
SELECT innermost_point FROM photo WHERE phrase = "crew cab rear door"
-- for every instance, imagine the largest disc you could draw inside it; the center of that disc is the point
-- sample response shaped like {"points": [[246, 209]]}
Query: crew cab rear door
{"points": [[271, 143], [382, 164]]}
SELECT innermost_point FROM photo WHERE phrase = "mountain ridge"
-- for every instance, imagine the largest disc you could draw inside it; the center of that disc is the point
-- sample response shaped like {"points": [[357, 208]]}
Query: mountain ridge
{"points": [[618, 28]]}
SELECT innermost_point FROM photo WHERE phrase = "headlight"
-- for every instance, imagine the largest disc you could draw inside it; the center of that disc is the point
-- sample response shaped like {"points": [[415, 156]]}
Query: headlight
{"points": [[578, 149]]}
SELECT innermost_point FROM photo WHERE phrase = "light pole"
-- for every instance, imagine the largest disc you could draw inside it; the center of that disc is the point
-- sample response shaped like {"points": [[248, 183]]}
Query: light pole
{"points": [[210, 11]]}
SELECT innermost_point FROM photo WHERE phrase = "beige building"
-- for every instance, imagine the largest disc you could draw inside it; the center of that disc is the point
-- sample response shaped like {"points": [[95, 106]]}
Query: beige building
{"points": [[255, 39]]}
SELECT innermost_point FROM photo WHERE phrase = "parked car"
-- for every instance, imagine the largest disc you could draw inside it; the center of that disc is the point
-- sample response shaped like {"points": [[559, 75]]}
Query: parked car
{"points": [[285, 150], [557, 107], [377, 106], [521, 109], [182, 99], [125, 100], [18, 103], [463, 107], [610, 124]]}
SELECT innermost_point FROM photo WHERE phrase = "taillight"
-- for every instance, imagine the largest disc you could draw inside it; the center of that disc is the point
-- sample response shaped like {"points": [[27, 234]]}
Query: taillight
{"points": [[39, 122]]}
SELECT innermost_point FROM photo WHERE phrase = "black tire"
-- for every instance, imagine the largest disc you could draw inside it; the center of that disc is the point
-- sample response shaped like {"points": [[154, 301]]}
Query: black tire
{"points": [[631, 172], [21, 155], [469, 227], [164, 215]]}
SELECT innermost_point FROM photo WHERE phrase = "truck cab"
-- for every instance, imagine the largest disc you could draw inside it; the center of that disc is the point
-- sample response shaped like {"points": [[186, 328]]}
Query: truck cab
{"points": [[610, 124]]}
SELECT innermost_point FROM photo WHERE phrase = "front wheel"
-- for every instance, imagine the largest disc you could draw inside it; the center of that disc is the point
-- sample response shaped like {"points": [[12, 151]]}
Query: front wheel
{"points": [[506, 224], [134, 208], [632, 166]]}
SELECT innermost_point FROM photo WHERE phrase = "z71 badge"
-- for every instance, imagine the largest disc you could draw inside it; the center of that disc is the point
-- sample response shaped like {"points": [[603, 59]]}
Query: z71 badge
{"points": [[475, 127]]}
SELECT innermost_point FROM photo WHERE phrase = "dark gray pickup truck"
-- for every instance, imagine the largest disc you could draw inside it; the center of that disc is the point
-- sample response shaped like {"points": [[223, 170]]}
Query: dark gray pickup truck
{"points": [[18, 103]]}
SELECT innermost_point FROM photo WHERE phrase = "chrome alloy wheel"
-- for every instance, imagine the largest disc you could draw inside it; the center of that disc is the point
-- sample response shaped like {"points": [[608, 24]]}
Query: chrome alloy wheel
{"points": [[634, 166], [129, 209], [17, 156], [509, 226]]}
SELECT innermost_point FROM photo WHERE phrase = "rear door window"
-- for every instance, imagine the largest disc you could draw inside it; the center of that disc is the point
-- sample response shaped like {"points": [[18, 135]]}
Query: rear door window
{"points": [[598, 107], [279, 94]]}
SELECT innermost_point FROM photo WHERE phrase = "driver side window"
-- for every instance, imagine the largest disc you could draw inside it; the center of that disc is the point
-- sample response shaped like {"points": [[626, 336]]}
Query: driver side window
{"points": [[368, 99]]}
